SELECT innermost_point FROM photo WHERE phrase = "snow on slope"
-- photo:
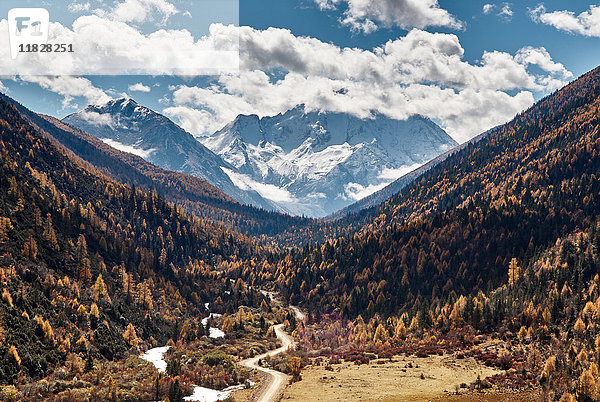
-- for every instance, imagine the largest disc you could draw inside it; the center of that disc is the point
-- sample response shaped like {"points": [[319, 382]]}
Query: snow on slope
{"points": [[133, 128], [313, 164]]}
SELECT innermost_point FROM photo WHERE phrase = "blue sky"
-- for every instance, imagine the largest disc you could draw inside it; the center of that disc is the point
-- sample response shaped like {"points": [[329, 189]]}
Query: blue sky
{"points": [[489, 90], [483, 32]]}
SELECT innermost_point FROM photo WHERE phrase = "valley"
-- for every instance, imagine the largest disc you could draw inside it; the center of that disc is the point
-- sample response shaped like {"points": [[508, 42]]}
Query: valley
{"points": [[480, 278]]}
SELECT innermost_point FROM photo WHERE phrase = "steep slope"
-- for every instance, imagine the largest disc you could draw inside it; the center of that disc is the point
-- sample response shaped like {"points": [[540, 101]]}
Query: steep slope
{"points": [[396, 186], [455, 229], [89, 265], [133, 128], [316, 163], [195, 195]]}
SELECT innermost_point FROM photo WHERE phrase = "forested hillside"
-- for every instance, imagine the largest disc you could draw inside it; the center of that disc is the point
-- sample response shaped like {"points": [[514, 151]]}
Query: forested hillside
{"points": [[456, 229], [195, 195], [92, 267]]}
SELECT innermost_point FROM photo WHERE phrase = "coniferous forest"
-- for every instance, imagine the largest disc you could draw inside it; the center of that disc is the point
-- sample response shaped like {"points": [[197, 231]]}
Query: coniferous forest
{"points": [[104, 256]]}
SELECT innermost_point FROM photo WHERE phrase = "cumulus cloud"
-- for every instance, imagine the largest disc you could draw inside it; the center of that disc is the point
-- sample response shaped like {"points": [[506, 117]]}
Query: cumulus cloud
{"points": [[97, 119], [268, 191], [70, 87], [488, 8], [139, 87], [368, 15], [420, 73], [587, 23], [139, 11], [107, 47], [356, 191]]}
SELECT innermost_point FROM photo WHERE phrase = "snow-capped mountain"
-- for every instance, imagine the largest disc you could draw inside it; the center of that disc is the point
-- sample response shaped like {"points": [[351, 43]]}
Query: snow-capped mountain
{"points": [[130, 127], [315, 163]]}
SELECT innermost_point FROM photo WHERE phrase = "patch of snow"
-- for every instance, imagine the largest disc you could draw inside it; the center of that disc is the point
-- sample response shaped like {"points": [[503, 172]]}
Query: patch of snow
{"points": [[268, 191], [155, 356], [202, 394], [356, 191], [144, 153], [213, 332]]}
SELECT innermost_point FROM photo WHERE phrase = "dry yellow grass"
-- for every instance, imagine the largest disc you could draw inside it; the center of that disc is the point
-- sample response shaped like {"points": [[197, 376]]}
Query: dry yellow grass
{"points": [[430, 377]]}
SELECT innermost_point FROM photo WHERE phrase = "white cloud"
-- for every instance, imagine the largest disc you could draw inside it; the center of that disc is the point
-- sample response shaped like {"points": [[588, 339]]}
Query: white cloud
{"points": [[139, 11], [541, 58], [368, 15], [488, 8], [3, 88], [76, 7], [356, 191], [393, 174], [420, 73], [194, 120], [97, 119], [70, 87], [587, 23], [139, 87], [506, 12], [143, 153], [106, 47]]}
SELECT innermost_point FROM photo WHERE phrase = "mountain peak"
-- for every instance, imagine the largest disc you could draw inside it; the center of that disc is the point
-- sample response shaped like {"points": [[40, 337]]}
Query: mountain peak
{"points": [[326, 160], [126, 125], [119, 102]]}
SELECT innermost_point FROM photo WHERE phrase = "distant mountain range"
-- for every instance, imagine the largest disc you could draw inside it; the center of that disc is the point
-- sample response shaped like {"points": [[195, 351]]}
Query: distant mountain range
{"points": [[130, 127], [301, 163], [317, 163]]}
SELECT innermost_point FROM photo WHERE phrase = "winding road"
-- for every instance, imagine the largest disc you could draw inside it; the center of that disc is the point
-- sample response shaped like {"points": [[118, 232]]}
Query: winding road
{"points": [[275, 381]]}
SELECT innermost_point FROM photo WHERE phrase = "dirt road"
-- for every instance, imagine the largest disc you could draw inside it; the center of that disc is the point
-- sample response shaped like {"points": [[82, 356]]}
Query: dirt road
{"points": [[275, 381]]}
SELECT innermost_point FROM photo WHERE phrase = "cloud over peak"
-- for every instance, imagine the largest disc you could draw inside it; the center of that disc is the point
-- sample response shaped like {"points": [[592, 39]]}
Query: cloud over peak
{"points": [[419, 73]]}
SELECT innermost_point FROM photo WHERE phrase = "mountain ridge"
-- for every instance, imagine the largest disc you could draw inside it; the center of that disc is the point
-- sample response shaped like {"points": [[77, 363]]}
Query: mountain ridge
{"points": [[324, 160], [125, 124]]}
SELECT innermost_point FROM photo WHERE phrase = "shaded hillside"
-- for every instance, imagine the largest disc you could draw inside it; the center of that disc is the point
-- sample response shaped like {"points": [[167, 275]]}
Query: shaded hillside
{"points": [[91, 266], [456, 229], [195, 195]]}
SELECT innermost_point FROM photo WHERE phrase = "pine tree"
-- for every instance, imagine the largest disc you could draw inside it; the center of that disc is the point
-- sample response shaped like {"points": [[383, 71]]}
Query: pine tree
{"points": [[100, 287], [131, 336], [89, 363], [514, 271], [30, 249], [175, 392]]}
